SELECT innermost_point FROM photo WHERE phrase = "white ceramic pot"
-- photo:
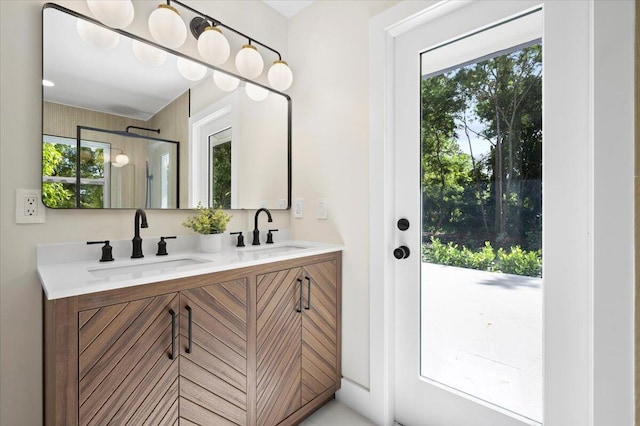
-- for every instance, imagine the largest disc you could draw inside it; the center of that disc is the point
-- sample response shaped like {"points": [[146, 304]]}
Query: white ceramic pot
{"points": [[210, 243]]}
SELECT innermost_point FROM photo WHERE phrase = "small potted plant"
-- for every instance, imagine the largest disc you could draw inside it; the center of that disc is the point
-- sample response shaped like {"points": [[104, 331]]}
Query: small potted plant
{"points": [[210, 223]]}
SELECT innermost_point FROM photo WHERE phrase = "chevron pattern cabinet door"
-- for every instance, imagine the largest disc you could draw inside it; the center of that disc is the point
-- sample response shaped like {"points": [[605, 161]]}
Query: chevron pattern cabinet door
{"points": [[213, 375], [278, 346], [125, 370], [319, 330]]}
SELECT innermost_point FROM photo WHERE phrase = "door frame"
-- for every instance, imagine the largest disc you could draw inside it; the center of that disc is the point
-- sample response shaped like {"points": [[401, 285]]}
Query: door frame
{"points": [[603, 361]]}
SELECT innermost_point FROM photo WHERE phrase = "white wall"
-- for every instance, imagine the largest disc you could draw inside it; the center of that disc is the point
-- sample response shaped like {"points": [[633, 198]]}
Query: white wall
{"points": [[329, 53], [20, 151]]}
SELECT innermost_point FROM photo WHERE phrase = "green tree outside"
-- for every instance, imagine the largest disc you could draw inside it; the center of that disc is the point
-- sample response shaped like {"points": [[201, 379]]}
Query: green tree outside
{"points": [[471, 199]]}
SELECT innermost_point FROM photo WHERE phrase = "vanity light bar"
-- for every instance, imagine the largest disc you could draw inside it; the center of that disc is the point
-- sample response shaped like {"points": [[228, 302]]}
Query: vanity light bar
{"points": [[248, 60], [198, 25]]}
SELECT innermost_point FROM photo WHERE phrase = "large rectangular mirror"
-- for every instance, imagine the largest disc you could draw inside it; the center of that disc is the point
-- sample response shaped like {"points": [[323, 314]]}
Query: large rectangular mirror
{"points": [[147, 136]]}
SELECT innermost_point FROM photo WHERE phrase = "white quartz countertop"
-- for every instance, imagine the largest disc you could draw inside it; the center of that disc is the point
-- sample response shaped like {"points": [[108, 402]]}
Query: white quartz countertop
{"points": [[65, 278]]}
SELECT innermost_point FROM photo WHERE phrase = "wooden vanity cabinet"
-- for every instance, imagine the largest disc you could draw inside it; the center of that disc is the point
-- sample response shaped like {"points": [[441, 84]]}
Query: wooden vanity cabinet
{"points": [[252, 346], [213, 351], [297, 339], [128, 364]]}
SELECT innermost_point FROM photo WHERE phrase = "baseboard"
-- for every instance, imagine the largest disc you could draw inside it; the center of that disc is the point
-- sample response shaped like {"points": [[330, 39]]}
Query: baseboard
{"points": [[356, 397]]}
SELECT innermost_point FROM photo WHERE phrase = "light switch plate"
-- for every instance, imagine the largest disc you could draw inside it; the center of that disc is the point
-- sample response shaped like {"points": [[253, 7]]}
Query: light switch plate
{"points": [[29, 207], [282, 203], [297, 207], [322, 208]]}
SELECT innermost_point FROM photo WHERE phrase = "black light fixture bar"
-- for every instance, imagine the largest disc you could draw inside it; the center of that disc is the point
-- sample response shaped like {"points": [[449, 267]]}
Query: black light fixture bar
{"points": [[197, 28]]}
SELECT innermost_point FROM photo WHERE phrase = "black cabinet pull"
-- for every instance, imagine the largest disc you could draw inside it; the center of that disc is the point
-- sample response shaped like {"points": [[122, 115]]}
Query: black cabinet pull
{"points": [[299, 309], [173, 334], [308, 293], [188, 308]]}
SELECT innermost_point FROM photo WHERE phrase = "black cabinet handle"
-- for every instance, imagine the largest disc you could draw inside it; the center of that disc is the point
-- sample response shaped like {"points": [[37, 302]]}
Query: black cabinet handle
{"points": [[188, 308], [308, 293], [299, 309], [173, 334]]}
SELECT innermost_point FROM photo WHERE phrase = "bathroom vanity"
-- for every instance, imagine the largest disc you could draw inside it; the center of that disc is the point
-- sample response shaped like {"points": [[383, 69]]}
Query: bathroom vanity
{"points": [[246, 337]]}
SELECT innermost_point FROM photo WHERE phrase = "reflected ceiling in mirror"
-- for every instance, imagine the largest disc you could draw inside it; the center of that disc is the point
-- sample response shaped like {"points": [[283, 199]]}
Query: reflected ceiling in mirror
{"points": [[109, 85]]}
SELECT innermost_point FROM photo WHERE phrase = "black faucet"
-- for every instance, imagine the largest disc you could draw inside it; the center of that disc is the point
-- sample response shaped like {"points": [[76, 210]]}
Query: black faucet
{"points": [[137, 241], [256, 233]]}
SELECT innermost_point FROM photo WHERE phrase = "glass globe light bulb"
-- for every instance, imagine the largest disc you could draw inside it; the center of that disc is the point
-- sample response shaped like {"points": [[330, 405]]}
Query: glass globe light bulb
{"points": [[213, 46], [280, 76], [167, 27], [191, 70], [113, 13], [148, 54], [97, 36], [225, 82], [249, 62], [256, 93], [122, 159]]}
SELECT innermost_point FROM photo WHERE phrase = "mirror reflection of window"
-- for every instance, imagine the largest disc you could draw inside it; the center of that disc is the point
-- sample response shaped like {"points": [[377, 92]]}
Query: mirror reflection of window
{"points": [[59, 164], [220, 169]]}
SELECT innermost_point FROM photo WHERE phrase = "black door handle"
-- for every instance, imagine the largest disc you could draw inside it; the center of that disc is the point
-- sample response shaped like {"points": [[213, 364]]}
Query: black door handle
{"points": [[401, 252], [188, 308]]}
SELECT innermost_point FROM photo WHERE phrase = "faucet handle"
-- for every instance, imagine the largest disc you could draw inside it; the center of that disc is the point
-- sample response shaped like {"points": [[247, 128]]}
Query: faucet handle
{"points": [[240, 238], [162, 246], [270, 236], [107, 250]]}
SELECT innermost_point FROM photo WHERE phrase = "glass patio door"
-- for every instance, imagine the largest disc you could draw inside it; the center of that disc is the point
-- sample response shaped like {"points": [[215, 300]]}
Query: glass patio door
{"points": [[468, 161]]}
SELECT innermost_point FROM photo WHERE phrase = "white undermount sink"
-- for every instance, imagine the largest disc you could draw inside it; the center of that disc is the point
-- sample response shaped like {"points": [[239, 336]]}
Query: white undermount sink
{"points": [[155, 266]]}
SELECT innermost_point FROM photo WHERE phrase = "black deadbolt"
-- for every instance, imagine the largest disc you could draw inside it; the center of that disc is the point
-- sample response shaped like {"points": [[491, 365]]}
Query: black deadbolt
{"points": [[403, 224], [401, 252]]}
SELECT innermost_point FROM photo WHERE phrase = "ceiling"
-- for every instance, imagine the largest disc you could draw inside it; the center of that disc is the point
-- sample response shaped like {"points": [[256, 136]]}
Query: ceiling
{"points": [[288, 8]]}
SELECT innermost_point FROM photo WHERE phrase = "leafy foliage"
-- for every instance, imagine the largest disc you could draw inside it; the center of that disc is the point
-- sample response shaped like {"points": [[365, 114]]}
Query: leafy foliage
{"points": [[54, 194], [484, 197], [60, 160], [516, 261], [208, 220], [221, 176], [519, 262], [451, 254]]}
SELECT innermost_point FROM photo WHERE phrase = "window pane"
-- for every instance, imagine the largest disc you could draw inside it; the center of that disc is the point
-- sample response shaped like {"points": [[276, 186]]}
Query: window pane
{"points": [[91, 196], [220, 169], [59, 165], [481, 140], [59, 195], [91, 162]]}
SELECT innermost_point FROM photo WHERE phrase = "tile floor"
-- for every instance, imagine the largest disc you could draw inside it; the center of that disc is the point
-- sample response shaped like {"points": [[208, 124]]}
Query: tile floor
{"points": [[336, 414]]}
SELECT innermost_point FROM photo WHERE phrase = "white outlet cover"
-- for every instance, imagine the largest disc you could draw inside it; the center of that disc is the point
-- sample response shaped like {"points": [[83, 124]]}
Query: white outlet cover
{"points": [[29, 207], [282, 203]]}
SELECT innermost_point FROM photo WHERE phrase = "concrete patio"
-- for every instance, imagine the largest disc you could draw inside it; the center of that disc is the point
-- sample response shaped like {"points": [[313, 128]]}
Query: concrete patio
{"points": [[482, 335]]}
